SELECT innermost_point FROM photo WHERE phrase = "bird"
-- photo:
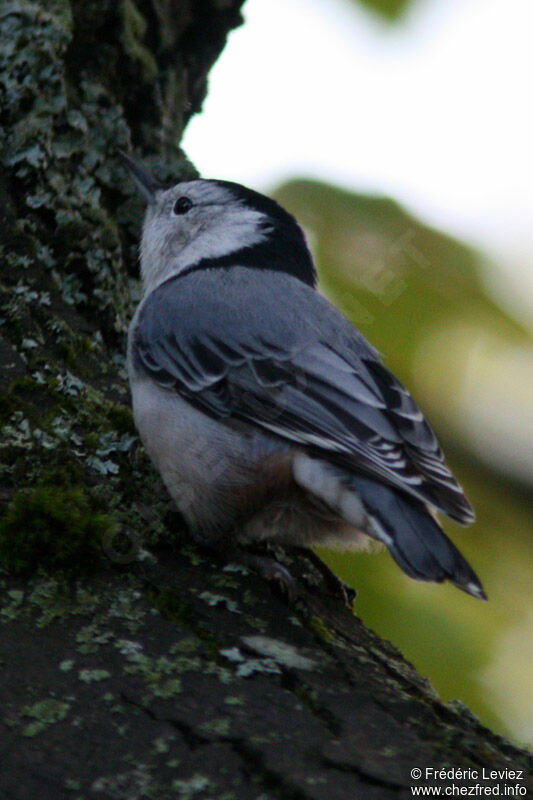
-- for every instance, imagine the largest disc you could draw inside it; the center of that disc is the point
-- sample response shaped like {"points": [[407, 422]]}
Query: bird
{"points": [[268, 415]]}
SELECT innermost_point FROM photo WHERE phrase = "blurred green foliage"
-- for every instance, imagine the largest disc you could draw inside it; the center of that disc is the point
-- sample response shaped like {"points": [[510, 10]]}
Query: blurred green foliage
{"points": [[393, 276], [392, 10], [406, 285]]}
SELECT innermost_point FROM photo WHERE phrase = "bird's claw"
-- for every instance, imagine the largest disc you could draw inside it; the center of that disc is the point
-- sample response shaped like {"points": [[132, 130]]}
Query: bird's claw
{"points": [[272, 570]]}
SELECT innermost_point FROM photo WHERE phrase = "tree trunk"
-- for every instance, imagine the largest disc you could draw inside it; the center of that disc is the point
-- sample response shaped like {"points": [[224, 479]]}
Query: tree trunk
{"points": [[133, 665]]}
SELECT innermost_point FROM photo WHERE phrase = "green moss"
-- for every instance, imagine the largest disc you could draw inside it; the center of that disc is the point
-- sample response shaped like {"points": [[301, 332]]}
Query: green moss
{"points": [[133, 31], [52, 528], [320, 630], [18, 399], [121, 418], [66, 352], [91, 440], [58, 469]]}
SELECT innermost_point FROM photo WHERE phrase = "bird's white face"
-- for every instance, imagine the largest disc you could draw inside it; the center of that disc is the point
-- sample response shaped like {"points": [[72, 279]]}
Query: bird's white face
{"points": [[194, 221]]}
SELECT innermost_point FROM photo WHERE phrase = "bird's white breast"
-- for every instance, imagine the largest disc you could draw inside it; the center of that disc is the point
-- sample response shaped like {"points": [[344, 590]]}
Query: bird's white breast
{"points": [[191, 452]]}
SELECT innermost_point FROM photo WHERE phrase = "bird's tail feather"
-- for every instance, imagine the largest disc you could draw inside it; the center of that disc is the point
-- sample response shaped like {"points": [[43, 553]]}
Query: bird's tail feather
{"points": [[414, 538], [403, 523]]}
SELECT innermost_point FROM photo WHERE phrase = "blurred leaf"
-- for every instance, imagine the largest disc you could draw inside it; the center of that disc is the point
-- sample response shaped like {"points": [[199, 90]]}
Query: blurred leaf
{"points": [[396, 278], [392, 10]]}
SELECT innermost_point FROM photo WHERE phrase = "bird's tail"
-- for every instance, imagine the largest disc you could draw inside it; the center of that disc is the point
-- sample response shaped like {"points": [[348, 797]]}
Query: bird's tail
{"points": [[414, 538], [403, 523]]}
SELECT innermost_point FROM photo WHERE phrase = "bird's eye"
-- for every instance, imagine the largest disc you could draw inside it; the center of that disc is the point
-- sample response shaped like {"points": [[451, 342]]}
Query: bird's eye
{"points": [[182, 205]]}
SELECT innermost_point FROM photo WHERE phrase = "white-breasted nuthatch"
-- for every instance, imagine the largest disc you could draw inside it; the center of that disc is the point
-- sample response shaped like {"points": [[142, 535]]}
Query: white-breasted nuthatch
{"points": [[267, 414]]}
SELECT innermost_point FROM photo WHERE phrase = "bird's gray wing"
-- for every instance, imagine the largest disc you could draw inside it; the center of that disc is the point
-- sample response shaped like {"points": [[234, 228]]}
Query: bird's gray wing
{"points": [[311, 380]]}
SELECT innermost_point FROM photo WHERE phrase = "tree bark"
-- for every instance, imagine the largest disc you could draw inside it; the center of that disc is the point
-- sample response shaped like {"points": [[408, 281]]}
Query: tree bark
{"points": [[133, 665]]}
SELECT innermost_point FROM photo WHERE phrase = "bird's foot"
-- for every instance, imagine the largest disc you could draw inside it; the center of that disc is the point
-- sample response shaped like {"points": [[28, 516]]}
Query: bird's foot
{"points": [[271, 570]]}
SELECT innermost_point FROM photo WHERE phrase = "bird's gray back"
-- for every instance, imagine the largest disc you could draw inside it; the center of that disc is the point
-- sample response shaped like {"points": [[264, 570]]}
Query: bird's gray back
{"points": [[287, 313]]}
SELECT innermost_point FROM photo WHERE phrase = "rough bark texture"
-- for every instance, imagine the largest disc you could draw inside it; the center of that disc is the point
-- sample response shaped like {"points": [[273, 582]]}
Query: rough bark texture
{"points": [[132, 665]]}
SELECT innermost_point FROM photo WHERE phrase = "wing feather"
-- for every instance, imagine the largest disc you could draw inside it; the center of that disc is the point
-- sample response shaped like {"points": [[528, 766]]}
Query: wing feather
{"points": [[321, 387]]}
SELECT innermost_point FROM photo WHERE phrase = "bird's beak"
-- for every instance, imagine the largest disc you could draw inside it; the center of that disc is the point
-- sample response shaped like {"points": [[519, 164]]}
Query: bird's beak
{"points": [[145, 183]]}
